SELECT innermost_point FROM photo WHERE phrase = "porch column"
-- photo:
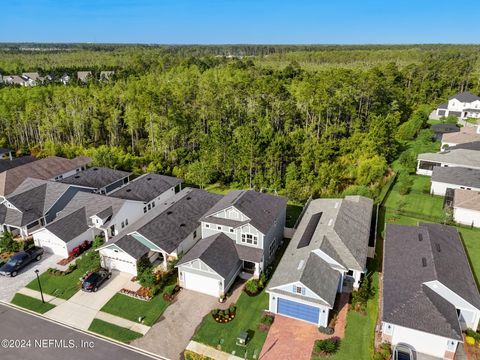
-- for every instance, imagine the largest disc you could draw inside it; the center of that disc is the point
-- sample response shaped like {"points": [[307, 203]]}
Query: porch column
{"points": [[165, 263], [257, 270]]}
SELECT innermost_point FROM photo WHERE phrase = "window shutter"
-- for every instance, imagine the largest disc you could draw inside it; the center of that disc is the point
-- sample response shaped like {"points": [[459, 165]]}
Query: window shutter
{"points": [[303, 291]]}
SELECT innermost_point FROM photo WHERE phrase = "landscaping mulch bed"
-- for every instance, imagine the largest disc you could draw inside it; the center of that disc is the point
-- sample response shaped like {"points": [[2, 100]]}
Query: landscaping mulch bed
{"points": [[66, 261]]}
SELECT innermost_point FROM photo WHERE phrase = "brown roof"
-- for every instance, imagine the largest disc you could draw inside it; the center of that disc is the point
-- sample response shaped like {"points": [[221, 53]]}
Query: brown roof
{"points": [[43, 169], [465, 135], [467, 199]]}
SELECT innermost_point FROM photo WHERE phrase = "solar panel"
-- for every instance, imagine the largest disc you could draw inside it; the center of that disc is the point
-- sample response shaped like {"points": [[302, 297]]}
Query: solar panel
{"points": [[309, 230]]}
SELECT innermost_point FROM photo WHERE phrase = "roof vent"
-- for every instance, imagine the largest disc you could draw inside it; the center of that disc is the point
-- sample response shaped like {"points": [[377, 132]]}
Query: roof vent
{"points": [[169, 212], [128, 190], [437, 245], [330, 222], [149, 178], [95, 169], [300, 264], [420, 237], [77, 176], [189, 198], [182, 225], [424, 262]]}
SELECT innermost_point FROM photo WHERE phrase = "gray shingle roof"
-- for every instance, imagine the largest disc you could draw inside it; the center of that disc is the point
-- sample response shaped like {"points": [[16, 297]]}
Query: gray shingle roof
{"points": [[249, 253], [445, 128], [217, 251], [10, 164], [261, 208], [460, 157], [457, 175], [443, 106], [146, 187], [466, 97], [70, 226], [406, 300], [131, 246], [342, 232], [473, 145], [96, 177]]}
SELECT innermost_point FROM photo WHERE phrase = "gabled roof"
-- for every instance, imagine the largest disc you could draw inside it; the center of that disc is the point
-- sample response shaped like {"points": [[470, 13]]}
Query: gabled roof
{"points": [[96, 177], [169, 223], [460, 157], [131, 246], [10, 164], [44, 169], [466, 199], [342, 233], [443, 106], [217, 251], [262, 209], [146, 187], [465, 135], [466, 97], [444, 128], [474, 145], [414, 256], [70, 226], [457, 176]]}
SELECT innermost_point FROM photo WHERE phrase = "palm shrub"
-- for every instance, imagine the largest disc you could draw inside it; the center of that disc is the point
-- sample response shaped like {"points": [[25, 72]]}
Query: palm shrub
{"points": [[327, 346]]}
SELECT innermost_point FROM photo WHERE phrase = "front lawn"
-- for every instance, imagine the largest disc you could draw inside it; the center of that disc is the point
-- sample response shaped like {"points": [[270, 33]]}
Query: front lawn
{"points": [[129, 308], [65, 286], [31, 303], [249, 313], [113, 331]]}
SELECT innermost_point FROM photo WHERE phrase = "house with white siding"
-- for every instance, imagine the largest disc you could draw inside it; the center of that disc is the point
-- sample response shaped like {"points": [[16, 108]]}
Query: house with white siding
{"points": [[466, 134], [457, 157], [241, 232], [327, 253], [429, 291], [444, 178], [466, 207], [463, 105]]}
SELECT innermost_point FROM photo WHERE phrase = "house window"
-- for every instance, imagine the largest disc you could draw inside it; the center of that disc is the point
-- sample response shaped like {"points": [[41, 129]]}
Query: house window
{"points": [[219, 228], [195, 234], [145, 209], [153, 204], [207, 225], [149, 206], [123, 224], [249, 239], [272, 246], [298, 290], [232, 230], [126, 222]]}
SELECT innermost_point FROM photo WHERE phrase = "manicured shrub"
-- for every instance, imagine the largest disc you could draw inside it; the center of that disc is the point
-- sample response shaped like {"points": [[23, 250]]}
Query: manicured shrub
{"points": [[327, 346], [251, 287], [470, 340], [267, 319], [384, 352], [326, 330]]}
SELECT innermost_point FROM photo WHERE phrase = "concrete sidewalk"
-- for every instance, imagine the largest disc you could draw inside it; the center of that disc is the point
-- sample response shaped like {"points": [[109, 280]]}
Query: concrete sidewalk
{"points": [[36, 294], [112, 319], [210, 352]]}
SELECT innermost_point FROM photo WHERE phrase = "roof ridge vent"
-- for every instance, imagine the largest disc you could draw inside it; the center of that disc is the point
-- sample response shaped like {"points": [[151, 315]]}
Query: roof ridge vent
{"points": [[420, 237], [300, 264], [424, 262]]}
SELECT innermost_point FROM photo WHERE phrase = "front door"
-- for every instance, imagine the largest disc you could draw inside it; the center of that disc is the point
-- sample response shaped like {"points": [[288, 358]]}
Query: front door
{"points": [[249, 267]]}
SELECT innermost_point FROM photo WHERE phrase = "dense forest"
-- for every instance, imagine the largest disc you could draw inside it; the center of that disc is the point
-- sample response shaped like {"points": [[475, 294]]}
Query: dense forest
{"points": [[301, 120]]}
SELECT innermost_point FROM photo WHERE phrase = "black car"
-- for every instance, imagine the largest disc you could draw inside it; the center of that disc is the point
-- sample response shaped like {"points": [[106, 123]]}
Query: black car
{"points": [[93, 281], [20, 260]]}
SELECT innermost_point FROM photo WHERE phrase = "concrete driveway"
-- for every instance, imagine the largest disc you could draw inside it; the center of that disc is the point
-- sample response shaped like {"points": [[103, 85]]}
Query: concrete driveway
{"points": [[9, 286], [171, 334], [80, 310]]}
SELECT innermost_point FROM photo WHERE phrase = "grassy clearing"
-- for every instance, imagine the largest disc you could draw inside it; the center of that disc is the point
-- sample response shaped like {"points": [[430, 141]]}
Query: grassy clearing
{"points": [[293, 213], [113, 331], [31, 303]]}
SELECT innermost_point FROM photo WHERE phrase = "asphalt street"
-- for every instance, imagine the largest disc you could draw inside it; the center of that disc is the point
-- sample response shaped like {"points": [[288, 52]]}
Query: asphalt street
{"points": [[28, 337]]}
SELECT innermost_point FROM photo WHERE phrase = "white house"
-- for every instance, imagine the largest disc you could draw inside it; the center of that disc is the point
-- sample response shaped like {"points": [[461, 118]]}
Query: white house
{"points": [[466, 207], [165, 233], [451, 158], [429, 291], [241, 232], [327, 252], [444, 178], [462, 105]]}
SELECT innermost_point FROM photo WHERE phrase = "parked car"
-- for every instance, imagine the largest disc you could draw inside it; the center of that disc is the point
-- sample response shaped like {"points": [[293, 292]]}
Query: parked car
{"points": [[403, 352], [93, 281], [18, 261]]}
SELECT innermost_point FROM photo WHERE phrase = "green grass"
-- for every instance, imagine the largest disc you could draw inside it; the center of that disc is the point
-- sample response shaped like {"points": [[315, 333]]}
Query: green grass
{"points": [[129, 308], [113, 331], [293, 213], [65, 286], [249, 313], [31, 303], [222, 189]]}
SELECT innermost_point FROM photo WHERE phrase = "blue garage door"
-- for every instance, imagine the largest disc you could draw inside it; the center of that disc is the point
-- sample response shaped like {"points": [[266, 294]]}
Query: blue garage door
{"points": [[298, 310]]}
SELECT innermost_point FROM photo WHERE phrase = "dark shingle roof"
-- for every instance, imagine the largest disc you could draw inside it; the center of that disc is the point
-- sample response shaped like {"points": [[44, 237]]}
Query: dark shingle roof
{"points": [[413, 256], [10, 164], [473, 145], [132, 246], [146, 187], [217, 251], [466, 97], [261, 208], [96, 177], [249, 253], [443, 106], [4, 151], [445, 128], [70, 226], [457, 175], [454, 113]]}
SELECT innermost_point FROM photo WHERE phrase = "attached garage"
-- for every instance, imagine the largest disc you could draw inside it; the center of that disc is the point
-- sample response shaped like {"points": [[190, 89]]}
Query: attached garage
{"points": [[298, 310], [123, 265], [51, 243], [203, 284]]}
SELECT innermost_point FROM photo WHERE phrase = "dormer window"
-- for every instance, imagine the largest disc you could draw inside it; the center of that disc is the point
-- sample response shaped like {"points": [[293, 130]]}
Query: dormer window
{"points": [[249, 239], [298, 290], [219, 228]]}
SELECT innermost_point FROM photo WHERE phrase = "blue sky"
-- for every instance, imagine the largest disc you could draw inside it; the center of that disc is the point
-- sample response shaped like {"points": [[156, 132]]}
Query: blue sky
{"points": [[239, 21]]}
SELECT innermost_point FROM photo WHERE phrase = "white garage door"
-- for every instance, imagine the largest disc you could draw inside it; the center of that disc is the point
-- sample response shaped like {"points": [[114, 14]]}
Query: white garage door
{"points": [[52, 246], [129, 267], [202, 284]]}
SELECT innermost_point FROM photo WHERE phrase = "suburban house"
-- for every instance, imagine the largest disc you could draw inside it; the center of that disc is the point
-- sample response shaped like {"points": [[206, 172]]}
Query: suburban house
{"points": [[441, 129], [165, 233], [15, 162], [32, 78], [34, 204], [327, 255], [50, 168], [444, 178], [65, 79], [85, 216], [464, 105], [106, 75], [241, 232], [100, 180], [450, 158], [150, 189], [84, 76], [429, 291], [467, 134], [466, 207]]}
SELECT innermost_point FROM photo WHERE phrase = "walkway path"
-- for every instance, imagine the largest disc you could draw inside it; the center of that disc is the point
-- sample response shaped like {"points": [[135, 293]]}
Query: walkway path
{"points": [[210, 351], [116, 320], [36, 294]]}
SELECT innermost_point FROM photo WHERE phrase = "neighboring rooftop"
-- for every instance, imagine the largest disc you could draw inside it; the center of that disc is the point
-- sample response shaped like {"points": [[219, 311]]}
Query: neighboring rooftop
{"points": [[474, 145], [460, 157], [415, 256], [342, 231], [457, 175], [96, 177], [262, 209], [466, 199], [445, 128], [45, 169], [465, 97], [10, 164], [146, 187], [465, 135], [70, 226]]}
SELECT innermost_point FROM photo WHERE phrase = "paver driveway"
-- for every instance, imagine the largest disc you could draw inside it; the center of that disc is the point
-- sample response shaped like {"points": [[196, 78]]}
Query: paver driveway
{"points": [[9, 286], [80, 310], [171, 334]]}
